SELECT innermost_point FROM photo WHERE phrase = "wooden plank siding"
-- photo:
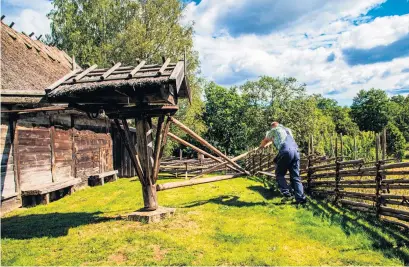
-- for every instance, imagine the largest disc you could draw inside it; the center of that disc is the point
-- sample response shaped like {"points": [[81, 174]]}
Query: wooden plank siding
{"points": [[52, 147], [122, 161]]}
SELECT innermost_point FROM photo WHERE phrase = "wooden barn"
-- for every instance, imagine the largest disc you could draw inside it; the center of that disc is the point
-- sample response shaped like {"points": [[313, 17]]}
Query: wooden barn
{"points": [[47, 150]]}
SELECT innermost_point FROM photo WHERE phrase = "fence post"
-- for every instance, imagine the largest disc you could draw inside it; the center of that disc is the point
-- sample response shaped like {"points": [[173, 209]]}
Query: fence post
{"points": [[185, 170], [253, 163], [378, 178], [260, 163], [309, 173], [384, 144], [355, 156], [337, 169], [342, 147]]}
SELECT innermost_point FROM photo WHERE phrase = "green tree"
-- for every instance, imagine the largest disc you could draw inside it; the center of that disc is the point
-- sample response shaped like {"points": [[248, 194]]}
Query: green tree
{"points": [[340, 115], [399, 112], [101, 31], [395, 141], [223, 116], [284, 100], [370, 110]]}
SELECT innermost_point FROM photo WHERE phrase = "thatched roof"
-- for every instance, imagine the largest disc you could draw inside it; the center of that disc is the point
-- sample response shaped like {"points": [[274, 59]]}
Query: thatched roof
{"points": [[28, 66], [122, 84]]}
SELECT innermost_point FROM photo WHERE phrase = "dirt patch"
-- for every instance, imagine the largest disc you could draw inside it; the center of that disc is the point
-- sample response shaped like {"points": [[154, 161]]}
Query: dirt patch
{"points": [[117, 258], [158, 253]]}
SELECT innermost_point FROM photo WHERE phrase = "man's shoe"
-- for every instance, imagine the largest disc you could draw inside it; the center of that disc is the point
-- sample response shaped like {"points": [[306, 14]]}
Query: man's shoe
{"points": [[303, 201]]}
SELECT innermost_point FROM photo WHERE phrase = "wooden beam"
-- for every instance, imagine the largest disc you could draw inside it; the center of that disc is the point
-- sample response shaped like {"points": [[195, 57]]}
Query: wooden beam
{"points": [[207, 144], [177, 75], [165, 137], [136, 69], [162, 69], [63, 79], [108, 72], [215, 168], [166, 186], [84, 73], [158, 145], [116, 78], [131, 149], [35, 109], [183, 142]]}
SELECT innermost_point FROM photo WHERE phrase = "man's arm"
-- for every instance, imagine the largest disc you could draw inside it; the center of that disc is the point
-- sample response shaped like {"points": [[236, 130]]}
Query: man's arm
{"points": [[264, 142]]}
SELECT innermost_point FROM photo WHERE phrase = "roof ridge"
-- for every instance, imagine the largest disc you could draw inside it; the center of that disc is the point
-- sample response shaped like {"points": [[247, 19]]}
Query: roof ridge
{"points": [[47, 51]]}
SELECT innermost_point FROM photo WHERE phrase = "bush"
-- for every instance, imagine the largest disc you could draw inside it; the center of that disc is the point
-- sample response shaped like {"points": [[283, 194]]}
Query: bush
{"points": [[395, 141]]}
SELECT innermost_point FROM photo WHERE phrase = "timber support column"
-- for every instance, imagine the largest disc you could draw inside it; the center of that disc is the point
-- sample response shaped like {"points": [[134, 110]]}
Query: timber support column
{"points": [[146, 159], [145, 152]]}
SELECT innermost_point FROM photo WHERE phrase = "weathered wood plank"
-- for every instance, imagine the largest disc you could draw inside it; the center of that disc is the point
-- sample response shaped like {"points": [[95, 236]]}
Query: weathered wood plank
{"points": [[166, 186]]}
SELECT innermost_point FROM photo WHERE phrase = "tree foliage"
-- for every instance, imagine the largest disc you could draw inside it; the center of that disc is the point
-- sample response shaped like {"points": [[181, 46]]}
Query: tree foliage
{"points": [[370, 110], [395, 141]]}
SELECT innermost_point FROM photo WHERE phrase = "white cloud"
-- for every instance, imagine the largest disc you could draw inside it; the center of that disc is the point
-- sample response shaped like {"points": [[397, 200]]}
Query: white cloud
{"points": [[28, 15], [301, 49]]}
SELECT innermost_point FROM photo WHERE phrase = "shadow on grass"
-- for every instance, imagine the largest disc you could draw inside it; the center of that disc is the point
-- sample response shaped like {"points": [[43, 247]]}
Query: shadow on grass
{"points": [[46, 225], [227, 200], [266, 193], [387, 238]]}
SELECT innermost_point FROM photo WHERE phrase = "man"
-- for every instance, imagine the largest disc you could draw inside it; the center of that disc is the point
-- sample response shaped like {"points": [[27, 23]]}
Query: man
{"points": [[288, 158]]}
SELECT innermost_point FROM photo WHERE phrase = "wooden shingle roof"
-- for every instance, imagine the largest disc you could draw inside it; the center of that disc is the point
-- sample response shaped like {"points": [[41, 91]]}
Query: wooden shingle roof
{"points": [[122, 85]]}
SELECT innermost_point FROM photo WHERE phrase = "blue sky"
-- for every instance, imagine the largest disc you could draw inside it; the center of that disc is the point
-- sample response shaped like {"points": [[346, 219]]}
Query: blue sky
{"points": [[335, 47]]}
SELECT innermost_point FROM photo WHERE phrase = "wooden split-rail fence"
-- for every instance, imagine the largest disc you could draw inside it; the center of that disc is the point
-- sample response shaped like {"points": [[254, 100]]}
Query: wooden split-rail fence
{"points": [[185, 167], [379, 187]]}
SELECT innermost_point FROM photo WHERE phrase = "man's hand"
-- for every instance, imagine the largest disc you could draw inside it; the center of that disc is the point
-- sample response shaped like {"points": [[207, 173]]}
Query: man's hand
{"points": [[264, 142]]}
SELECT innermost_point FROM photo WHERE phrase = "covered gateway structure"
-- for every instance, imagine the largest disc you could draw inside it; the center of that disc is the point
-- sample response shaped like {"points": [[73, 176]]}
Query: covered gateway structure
{"points": [[141, 92]]}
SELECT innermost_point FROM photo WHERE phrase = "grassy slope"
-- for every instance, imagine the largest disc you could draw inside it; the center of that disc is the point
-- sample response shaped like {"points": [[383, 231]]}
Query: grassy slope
{"points": [[235, 222]]}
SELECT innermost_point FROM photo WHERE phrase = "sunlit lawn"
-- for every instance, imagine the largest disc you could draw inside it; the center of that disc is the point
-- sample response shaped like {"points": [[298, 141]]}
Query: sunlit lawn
{"points": [[234, 222]]}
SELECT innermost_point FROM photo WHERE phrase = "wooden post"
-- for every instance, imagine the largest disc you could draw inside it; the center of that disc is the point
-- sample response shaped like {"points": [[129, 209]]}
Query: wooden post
{"points": [[312, 144], [145, 153], [158, 145], [378, 178], [180, 154], [14, 142], [309, 146], [331, 146], [342, 147], [260, 161], [376, 147], [337, 169], [355, 154], [253, 163], [309, 173], [186, 170], [384, 144], [124, 133]]}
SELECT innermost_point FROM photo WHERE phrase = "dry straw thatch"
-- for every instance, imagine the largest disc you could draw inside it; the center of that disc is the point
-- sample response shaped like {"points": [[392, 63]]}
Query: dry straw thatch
{"points": [[27, 65]]}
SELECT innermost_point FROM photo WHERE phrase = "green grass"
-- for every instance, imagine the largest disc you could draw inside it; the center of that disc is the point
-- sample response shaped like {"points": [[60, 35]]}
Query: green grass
{"points": [[234, 222]]}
